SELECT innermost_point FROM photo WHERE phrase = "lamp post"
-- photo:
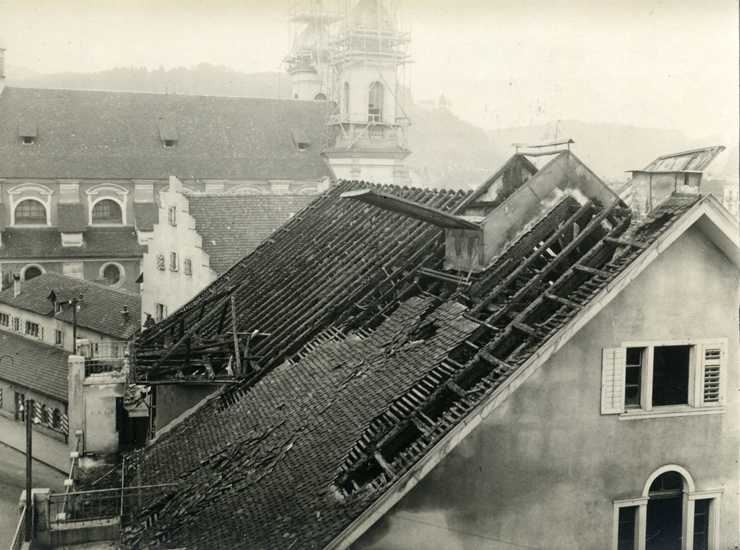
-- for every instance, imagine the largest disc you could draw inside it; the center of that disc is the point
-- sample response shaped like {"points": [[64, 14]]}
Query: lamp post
{"points": [[29, 431]]}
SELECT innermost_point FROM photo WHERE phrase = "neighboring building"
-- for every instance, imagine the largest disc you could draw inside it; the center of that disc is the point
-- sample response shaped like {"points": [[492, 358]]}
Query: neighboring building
{"points": [[731, 199], [358, 58], [548, 370], [41, 309], [675, 173], [33, 370], [199, 237], [37, 323], [81, 172]]}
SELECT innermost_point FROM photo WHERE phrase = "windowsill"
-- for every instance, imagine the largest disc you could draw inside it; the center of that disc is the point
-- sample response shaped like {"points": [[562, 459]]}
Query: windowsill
{"points": [[670, 412]]}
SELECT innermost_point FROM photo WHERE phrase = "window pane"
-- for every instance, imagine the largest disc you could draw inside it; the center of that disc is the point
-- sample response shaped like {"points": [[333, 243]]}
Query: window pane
{"points": [[626, 535], [701, 524], [633, 377], [30, 273], [112, 274], [107, 211], [30, 212], [671, 375]]}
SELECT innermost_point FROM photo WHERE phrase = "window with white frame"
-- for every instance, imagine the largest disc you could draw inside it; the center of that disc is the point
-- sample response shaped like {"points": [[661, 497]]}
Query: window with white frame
{"points": [[58, 337], [670, 514], [656, 378], [187, 266], [33, 329], [15, 324], [172, 215], [173, 261], [160, 312]]}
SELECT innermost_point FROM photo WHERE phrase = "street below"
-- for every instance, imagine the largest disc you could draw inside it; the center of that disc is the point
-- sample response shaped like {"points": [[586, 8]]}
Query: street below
{"points": [[13, 482]]}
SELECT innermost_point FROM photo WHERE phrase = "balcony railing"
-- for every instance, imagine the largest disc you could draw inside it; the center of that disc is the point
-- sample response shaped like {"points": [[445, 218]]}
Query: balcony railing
{"points": [[103, 357], [86, 506], [20, 531]]}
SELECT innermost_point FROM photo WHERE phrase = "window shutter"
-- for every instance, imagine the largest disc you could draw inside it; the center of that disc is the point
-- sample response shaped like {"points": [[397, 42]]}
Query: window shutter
{"points": [[160, 262], [711, 363], [612, 380]]}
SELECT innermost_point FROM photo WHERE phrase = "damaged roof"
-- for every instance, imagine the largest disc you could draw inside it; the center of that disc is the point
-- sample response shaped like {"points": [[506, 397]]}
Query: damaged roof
{"points": [[695, 160], [373, 356]]}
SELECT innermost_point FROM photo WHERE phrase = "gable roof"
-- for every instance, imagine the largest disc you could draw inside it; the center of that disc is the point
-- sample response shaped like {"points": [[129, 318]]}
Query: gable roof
{"points": [[40, 367], [98, 242], [100, 309], [376, 363], [103, 135], [233, 225]]}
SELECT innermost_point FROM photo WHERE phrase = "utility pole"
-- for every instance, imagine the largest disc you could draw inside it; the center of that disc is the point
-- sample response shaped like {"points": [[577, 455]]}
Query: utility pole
{"points": [[29, 500]]}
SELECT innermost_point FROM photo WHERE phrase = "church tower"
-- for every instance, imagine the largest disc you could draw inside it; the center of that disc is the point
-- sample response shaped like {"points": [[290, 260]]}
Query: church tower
{"points": [[308, 62], [365, 55]]}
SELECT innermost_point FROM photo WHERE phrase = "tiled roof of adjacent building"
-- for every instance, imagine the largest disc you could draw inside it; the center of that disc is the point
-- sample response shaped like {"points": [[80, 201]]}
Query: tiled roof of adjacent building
{"points": [[95, 134], [233, 225], [72, 218], [146, 214], [98, 242], [100, 309], [40, 367], [372, 357]]}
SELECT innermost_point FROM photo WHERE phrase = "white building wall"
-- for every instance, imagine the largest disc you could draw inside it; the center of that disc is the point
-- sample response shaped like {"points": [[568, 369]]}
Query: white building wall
{"points": [[48, 325], [167, 287]]}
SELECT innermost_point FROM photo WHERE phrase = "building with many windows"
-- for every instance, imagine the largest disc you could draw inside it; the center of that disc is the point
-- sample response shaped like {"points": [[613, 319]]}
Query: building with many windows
{"points": [[39, 319], [82, 172]]}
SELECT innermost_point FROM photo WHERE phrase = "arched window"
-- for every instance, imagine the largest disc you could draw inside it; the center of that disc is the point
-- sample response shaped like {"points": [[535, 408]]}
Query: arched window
{"points": [[107, 211], [375, 103], [345, 99], [30, 212], [669, 512], [31, 272]]}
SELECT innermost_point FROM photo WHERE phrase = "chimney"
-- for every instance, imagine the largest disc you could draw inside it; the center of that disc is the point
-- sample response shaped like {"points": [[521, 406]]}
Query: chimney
{"points": [[16, 285], [125, 314]]}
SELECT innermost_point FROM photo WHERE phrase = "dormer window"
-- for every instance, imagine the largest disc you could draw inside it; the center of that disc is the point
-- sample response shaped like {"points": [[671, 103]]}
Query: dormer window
{"points": [[168, 133], [27, 132], [301, 140]]}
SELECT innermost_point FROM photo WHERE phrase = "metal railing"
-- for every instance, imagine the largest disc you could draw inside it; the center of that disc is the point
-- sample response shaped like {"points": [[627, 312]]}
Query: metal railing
{"points": [[84, 506], [103, 357], [20, 531]]}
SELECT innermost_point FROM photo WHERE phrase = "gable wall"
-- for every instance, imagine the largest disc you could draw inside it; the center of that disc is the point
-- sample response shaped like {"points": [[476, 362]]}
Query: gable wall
{"points": [[174, 288], [543, 470]]}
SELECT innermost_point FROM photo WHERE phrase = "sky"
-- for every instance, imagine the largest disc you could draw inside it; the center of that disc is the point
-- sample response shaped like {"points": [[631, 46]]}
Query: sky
{"points": [[662, 64]]}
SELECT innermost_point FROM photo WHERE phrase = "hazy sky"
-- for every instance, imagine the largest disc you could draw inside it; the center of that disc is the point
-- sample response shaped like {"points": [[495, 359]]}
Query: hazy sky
{"points": [[668, 64]]}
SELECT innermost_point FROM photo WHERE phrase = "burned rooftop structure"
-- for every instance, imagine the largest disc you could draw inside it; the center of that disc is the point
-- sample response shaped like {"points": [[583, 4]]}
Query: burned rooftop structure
{"points": [[372, 333]]}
